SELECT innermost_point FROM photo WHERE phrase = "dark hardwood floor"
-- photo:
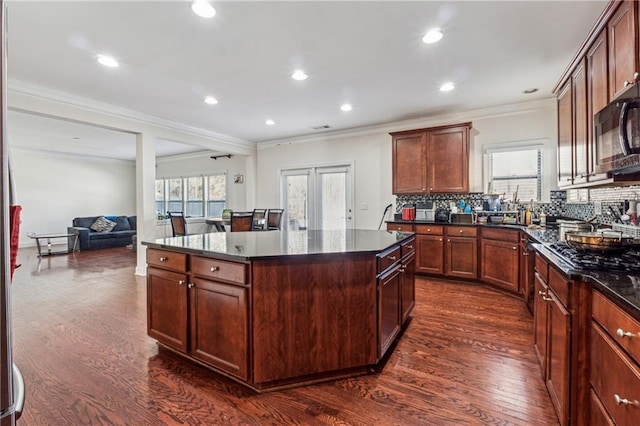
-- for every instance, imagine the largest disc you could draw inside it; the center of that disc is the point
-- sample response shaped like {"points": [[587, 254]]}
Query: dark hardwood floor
{"points": [[80, 340]]}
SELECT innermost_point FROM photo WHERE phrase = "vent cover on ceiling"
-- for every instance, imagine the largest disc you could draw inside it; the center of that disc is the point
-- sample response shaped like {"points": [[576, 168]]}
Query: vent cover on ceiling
{"points": [[324, 126]]}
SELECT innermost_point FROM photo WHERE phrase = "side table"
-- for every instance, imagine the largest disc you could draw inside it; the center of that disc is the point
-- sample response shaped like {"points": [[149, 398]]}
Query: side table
{"points": [[49, 237]]}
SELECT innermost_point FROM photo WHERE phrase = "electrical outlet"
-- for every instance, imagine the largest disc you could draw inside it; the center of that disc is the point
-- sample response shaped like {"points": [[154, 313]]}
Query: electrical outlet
{"points": [[364, 206], [597, 207]]}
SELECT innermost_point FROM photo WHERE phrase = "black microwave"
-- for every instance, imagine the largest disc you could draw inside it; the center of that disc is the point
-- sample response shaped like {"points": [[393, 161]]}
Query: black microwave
{"points": [[617, 136]]}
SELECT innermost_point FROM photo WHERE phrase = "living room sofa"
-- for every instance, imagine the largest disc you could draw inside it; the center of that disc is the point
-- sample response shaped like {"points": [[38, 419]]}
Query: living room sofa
{"points": [[88, 239]]}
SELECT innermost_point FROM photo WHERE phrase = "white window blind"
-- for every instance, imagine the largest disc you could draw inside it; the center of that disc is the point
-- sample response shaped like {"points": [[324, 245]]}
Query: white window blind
{"points": [[516, 169]]}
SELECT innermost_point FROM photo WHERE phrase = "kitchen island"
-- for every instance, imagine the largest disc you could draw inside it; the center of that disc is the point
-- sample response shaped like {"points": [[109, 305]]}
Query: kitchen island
{"points": [[281, 308]]}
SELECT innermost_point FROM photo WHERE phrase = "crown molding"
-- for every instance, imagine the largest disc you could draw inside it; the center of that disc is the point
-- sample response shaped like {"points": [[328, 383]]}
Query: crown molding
{"points": [[417, 123], [93, 158], [51, 95]]}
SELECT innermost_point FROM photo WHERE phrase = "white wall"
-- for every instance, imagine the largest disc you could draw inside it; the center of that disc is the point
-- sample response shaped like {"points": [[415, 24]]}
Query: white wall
{"points": [[53, 189], [371, 153]]}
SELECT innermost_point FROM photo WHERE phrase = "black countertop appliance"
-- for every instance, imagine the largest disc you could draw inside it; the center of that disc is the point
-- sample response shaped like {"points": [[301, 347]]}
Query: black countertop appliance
{"points": [[442, 215]]}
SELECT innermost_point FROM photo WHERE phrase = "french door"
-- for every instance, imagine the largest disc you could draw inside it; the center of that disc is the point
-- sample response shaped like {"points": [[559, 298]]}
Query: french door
{"points": [[318, 197]]}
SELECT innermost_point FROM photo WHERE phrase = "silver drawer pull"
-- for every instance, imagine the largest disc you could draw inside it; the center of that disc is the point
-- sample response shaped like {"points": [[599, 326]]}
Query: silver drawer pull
{"points": [[621, 333], [392, 258], [164, 259], [624, 401], [214, 268], [546, 299], [181, 282], [542, 293], [191, 285], [409, 247]]}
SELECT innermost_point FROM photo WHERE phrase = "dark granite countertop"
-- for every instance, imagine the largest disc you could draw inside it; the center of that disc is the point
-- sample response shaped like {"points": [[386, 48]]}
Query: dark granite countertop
{"points": [[623, 288], [479, 225], [265, 244]]}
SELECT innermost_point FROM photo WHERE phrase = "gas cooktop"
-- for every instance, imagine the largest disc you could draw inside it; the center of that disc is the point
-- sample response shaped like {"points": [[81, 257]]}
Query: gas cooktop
{"points": [[628, 261]]}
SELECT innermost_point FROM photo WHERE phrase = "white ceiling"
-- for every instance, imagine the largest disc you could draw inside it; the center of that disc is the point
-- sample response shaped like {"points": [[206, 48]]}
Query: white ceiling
{"points": [[367, 53]]}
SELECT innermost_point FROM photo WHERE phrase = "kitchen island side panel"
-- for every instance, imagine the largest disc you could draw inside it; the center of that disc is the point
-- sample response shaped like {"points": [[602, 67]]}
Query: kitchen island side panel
{"points": [[313, 314]]}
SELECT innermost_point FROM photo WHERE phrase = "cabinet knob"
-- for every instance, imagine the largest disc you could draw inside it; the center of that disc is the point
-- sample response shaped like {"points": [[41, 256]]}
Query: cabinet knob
{"points": [[448, 240], [440, 239], [181, 282], [214, 268], [627, 83], [546, 299], [461, 231], [524, 253], [515, 248], [163, 259], [624, 401], [410, 247], [430, 189], [542, 293], [190, 285], [636, 75], [621, 333], [392, 258]]}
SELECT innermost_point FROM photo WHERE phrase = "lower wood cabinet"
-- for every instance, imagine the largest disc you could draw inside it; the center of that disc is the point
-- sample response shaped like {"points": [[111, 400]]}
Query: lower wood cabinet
{"points": [[615, 364], [389, 304], [408, 283], [451, 251], [500, 258], [219, 325], [167, 308]]}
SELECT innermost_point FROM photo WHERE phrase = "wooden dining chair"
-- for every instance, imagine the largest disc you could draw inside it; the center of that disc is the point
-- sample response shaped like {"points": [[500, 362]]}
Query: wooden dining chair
{"points": [[241, 221], [274, 219], [178, 223], [258, 222]]}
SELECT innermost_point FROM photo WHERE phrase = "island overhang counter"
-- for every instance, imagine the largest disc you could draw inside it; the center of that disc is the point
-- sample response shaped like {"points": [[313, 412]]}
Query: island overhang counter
{"points": [[281, 308]]}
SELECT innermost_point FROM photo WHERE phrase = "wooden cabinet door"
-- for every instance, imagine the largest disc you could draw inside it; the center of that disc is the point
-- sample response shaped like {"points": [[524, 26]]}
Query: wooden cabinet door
{"points": [[565, 137], [623, 48], [448, 160], [388, 309], [559, 357], [408, 292], [580, 123], [540, 322], [597, 99], [430, 254], [500, 264], [409, 163], [219, 325], [461, 257], [167, 308]]}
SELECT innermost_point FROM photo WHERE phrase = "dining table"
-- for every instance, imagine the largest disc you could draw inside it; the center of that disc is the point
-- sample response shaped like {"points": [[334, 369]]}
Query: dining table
{"points": [[220, 224]]}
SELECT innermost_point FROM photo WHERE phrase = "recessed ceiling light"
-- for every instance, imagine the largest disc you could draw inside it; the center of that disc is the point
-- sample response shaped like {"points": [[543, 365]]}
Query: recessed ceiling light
{"points": [[529, 91], [299, 75], [346, 107], [210, 100], [432, 36], [269, 122], [203, 8], [107, 61], [447, 87]]}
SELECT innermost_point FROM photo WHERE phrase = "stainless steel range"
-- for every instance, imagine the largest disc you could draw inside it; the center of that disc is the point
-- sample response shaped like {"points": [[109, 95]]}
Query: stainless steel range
{"points": [[627, 261]]}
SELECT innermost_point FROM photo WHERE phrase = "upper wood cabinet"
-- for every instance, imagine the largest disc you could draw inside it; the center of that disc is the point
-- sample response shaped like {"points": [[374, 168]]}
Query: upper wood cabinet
{"points": [[433, 160], [606, 65], [623, 47]]}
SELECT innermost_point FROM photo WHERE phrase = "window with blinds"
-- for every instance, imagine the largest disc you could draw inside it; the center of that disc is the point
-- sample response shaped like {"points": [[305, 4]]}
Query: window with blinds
{"points": [[516, 169]]}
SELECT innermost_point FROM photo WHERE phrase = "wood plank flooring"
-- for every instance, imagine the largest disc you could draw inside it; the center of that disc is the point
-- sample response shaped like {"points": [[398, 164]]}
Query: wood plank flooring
{"points": [[80, 340]]}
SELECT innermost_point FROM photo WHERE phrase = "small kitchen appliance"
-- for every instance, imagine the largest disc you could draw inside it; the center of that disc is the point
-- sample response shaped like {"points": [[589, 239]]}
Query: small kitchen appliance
{"points": [[408, 212], [425, 211]]}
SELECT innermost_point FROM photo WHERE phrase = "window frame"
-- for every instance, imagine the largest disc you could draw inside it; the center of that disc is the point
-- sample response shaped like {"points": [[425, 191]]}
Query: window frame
{"points": [[205, 201], [538, 144]]}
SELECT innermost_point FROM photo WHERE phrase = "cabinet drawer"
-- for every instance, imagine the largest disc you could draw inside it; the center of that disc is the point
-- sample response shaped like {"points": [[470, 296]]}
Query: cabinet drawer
{"points": [[615, 321], [615, 378], [408, 247], [559, 285], [462, 231], [219, 269], [165, 259], [400, 227], [542, 267], [429, 229], [508, 235], [388, 258]]}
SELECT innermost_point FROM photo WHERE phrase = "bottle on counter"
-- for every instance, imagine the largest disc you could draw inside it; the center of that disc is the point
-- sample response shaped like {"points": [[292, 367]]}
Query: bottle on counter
{"points": [[543, 219], [527, 216]]}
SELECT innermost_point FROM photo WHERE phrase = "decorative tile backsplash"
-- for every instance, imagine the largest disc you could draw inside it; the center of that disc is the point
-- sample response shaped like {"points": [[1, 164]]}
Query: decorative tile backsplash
{"points": [[606, 198]]}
